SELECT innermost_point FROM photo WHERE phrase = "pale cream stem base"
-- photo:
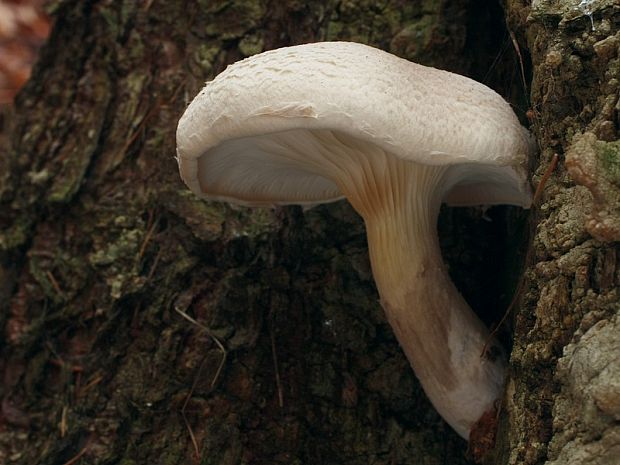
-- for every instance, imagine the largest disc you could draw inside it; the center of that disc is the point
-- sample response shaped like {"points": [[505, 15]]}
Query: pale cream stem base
{"points": [[441, 336]]}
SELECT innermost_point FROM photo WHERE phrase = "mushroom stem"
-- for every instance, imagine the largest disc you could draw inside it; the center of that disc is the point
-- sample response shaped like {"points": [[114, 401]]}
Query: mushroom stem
{"points": [[440, 334]]}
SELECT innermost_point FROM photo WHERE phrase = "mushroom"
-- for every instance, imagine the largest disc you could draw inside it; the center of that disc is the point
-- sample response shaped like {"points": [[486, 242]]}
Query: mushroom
{"points": [[318, 122]]}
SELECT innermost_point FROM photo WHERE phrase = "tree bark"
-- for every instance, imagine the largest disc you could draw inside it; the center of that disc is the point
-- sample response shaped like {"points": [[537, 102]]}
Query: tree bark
{"points": [[563, 396], [289, 358]]}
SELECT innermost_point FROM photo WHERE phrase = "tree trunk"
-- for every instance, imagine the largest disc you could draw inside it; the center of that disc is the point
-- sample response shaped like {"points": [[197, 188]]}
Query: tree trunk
{"points": [[288, 357], [563, 396]]}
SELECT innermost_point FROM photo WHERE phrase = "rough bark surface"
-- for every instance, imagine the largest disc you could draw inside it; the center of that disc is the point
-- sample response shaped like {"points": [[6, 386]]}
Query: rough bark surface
{"points": [[101, 246], [563, 395]]}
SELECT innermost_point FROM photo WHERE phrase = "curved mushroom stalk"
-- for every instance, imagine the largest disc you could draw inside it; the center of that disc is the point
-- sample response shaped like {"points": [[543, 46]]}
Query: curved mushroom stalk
{"points": [[441, 336]]}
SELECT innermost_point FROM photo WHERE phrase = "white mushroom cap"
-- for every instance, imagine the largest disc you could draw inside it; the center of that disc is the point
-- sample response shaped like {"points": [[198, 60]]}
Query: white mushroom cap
{"points": [[249, 137]]}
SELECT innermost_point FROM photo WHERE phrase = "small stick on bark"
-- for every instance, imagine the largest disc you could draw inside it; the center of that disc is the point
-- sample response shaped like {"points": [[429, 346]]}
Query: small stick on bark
{"points": [[212, 336], [515, 44], [63, 421], [147, 239], [192, 436], [92, 383], [275, 365], [543, 181], [213, 381], [74, 460], [54, 283]]}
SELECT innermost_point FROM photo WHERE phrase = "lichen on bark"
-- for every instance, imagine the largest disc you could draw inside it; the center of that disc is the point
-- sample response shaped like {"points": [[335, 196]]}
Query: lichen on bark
{"points": [[596, 165], [587, 410]]}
